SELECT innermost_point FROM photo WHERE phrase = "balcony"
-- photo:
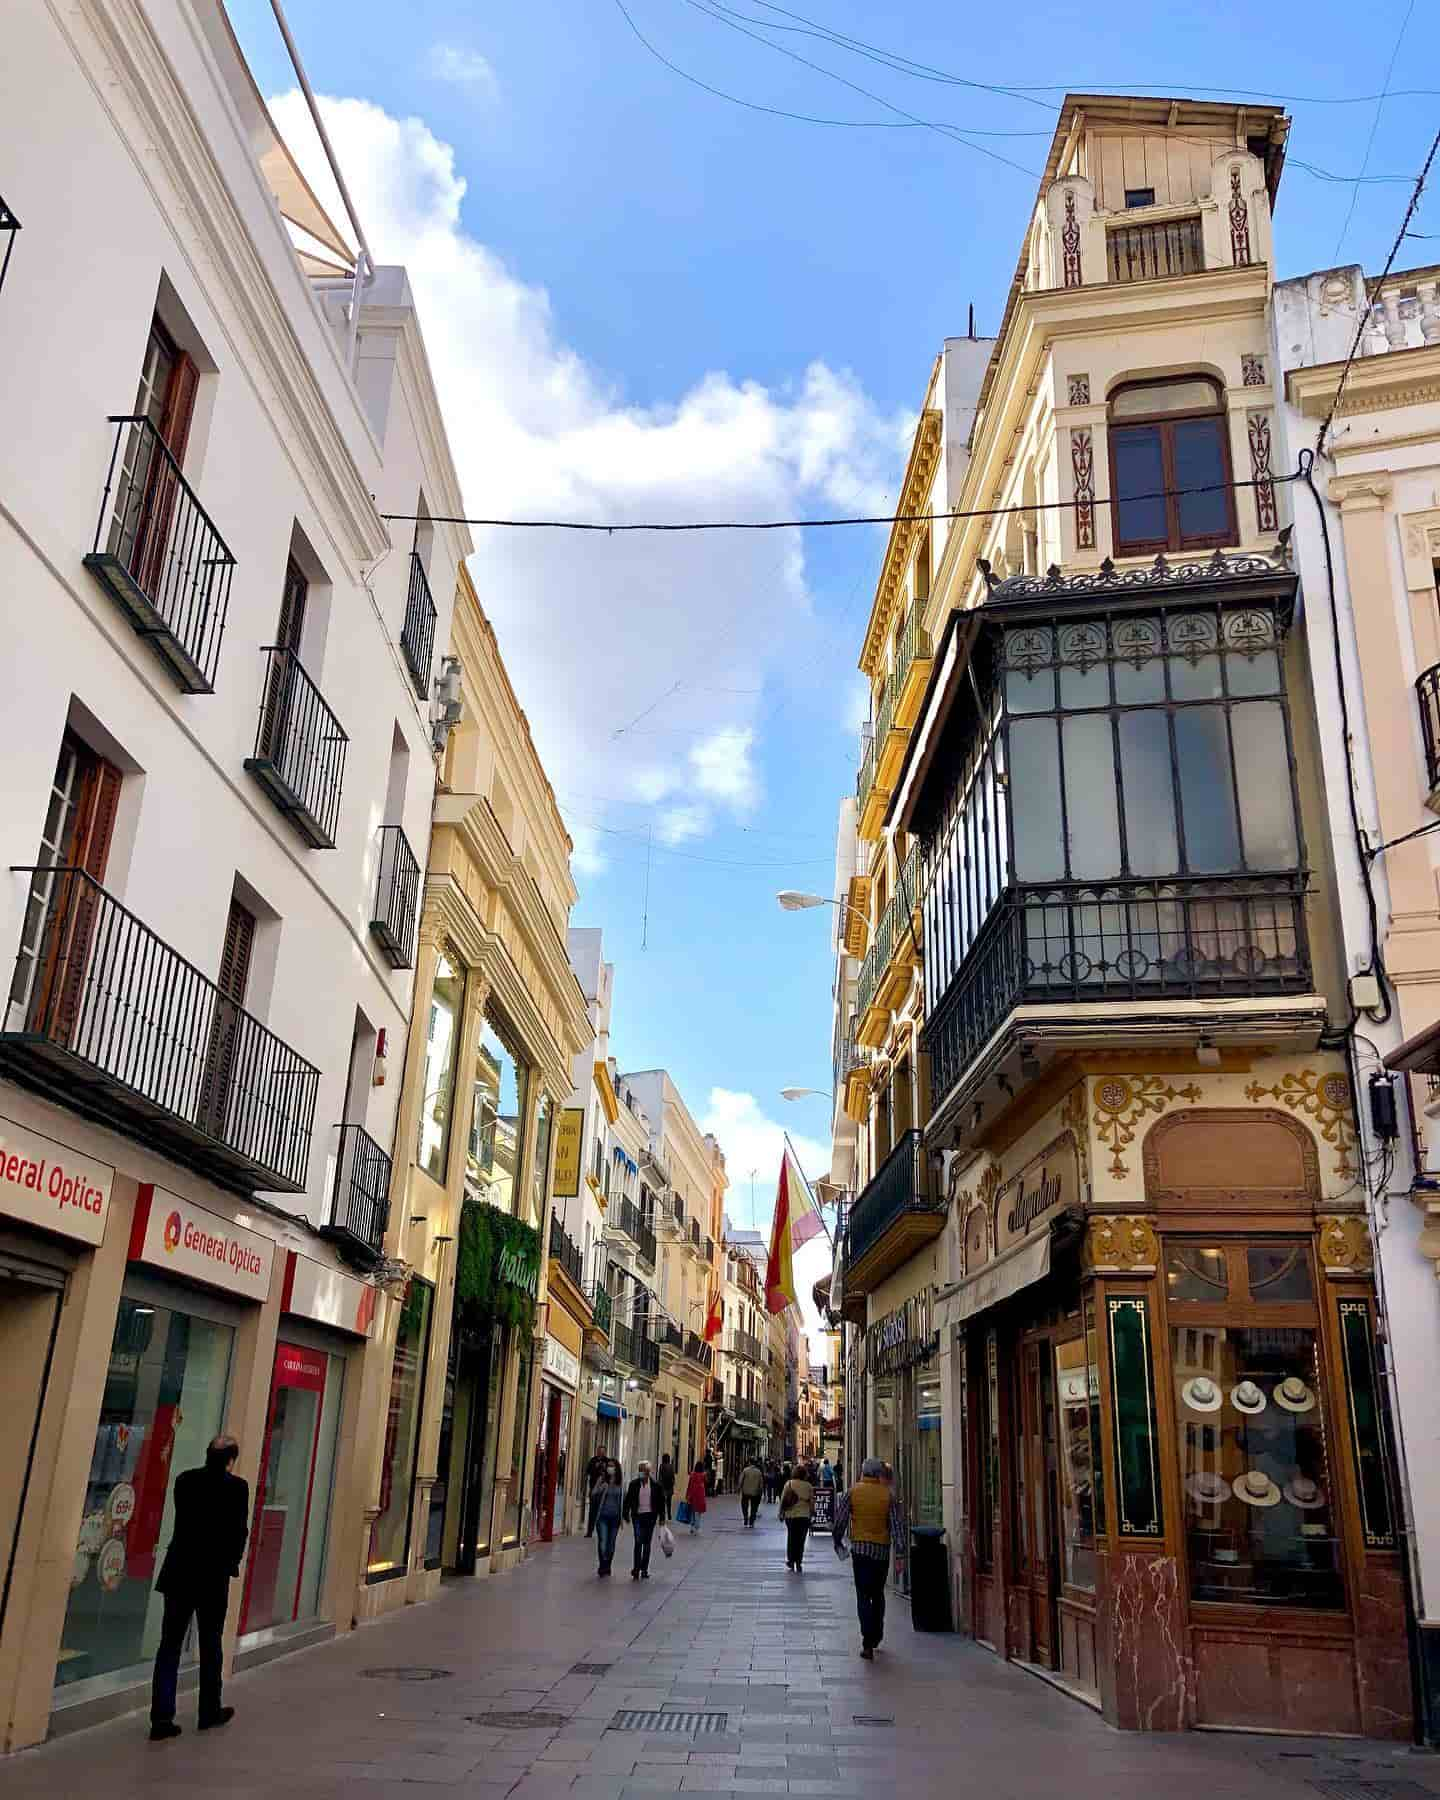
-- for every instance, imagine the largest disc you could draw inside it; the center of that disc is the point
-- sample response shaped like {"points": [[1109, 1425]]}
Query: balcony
{"points": [[852, 1078], [300, 750], [743, 1345], [854, 912], [1195, 937], [644, 1353], [892, 1218], [566, 1252], [914, 660], [633, 1225], [696, 1240], [671, 1337], [603, 1308], [1427, 697], [698, 1350], [903, 934], [113, 1023], [158, 553], [884, 753], [874, 1017], [750, 1412], [360, 1202], [417, 638], [397, 898], [1142, 252]]}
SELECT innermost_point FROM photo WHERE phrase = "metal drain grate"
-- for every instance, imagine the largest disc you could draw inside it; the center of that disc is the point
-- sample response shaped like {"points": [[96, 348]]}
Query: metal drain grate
{"points": [[521, 1721], [872, 1718], [590, 1669], [1384, 1788], [682, 1724], [407, 1674]]}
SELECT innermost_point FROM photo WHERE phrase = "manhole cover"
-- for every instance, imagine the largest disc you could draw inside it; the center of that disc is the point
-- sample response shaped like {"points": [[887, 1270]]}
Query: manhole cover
{"points": [[872, 1718], [685, 1724], [522, 1721], [590, 1669], [407, 1674], [1385, 1788]]}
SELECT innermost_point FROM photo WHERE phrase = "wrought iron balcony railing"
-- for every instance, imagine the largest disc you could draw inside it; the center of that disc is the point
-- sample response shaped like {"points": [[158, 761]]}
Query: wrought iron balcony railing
{"points": [[158, 553], [602, 1306], [646, 1356], [624, 1341], [105, 1014], [360, 1202], [751, 1411], [1191, 937], [1164, 247], [695, 1238], [743, 1344], [299, 749], [1427, 696], [898, 1187], [633, 1223], [417, 638], [565, 1251], [698, 1350], [397, 898], [914, 642], [671, 1336]]}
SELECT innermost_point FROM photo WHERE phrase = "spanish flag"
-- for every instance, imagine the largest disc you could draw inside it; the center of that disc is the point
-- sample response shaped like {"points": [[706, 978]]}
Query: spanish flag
{"points": [[797, 1219], [715, 1317]]}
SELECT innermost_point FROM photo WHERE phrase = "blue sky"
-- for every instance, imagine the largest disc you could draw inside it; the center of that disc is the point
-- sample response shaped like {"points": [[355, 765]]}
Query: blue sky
{"points": [[644, 301]]}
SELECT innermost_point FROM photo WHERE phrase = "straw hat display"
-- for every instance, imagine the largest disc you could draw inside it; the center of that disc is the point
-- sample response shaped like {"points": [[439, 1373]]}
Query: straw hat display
{"points": [[1256, 1488], [1245, 1397], [1202, 1394], [1294, 1396], [1207, 1489], [1301, 1491]]}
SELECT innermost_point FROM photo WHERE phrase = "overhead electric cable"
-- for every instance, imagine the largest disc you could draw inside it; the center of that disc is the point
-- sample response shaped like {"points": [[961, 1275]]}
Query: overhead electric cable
{"points": [[1374, 126]]}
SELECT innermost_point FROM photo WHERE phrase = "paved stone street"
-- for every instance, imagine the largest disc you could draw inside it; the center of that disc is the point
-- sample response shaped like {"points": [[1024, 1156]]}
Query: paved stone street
{"points": [[721, 1628]]}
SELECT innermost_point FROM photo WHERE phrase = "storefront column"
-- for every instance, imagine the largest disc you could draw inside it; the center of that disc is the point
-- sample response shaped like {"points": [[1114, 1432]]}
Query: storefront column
{"points": [[252, 1368], [50, 1526]]}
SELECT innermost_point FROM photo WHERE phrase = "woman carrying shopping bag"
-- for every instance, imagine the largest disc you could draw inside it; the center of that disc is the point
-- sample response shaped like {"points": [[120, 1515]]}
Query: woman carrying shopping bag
{"points": [[689, 1510]]}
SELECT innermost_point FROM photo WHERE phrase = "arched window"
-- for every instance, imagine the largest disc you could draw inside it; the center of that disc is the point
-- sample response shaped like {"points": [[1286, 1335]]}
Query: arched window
{"points": [[1165, 437]]}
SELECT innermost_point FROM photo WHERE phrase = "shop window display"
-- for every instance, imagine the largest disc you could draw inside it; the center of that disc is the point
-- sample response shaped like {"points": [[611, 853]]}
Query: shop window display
{"points": [[494, 1163], [165, 1394], [1261, 1516], [1076, 1469], [390, 1534], [442, 1040]]}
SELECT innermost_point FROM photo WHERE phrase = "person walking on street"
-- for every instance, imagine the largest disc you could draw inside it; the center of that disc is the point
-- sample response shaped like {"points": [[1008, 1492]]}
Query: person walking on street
{"points": [[607, 1504], [752, 1483], [827, 1474], [598, 1465], [695, 1496], [645, 1506], [665, 1475], [870, 1513], [207, 1543], [710, 1485], [797, 1506]]}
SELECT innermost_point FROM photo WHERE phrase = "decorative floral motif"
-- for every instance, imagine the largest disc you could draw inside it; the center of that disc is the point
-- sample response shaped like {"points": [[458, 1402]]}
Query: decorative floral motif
{"points": [[1192, 635], [1121, 1241], [1082, 645], [1249, 628], [1122, 1101], [1267, 517], [1070, 241], [1252, 370], [1079, 390], [1075, 1116], [1239, 220], [1323, 1098], [1345, 1247], [1082, 468]]}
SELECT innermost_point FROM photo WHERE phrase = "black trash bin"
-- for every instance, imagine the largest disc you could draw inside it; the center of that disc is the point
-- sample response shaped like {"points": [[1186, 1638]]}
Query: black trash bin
{"points": [[929, 1579]]}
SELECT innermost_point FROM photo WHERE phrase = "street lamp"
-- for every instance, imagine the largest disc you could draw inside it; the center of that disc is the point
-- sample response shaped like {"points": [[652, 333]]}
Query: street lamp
{"points": [[798, 1093], [791, 900]]}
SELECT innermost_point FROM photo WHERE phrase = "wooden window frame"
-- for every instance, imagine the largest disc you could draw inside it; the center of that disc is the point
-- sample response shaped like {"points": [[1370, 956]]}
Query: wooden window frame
{"points": [[1165, 422]]}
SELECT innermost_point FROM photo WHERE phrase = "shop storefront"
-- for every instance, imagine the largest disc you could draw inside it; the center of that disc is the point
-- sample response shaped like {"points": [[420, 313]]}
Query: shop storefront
{"points": [[560, 1378], [389, 1557], [1179, 1490], [902, 1356], [191, 1276]]}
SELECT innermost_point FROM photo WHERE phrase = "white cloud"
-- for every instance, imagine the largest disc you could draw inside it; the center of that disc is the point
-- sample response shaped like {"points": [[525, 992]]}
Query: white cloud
{"points": [[463, 67], [625, 650]]}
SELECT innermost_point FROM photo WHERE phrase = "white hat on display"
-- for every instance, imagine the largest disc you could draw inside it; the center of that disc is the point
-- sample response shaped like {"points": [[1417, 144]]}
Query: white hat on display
{"points": [[1202, 1394], [1256, 1488], [1293, 1395], [1245, 1397], [1207, 1489], [1301, 1491]]}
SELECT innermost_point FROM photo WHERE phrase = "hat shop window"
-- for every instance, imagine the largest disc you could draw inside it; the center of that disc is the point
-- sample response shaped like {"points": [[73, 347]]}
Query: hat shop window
{"points": [[1262, 1523]]}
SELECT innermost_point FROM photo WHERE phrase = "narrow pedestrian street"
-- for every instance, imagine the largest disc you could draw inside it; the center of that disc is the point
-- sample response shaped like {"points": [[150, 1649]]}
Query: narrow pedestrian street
{"points": [[519, 1687]]}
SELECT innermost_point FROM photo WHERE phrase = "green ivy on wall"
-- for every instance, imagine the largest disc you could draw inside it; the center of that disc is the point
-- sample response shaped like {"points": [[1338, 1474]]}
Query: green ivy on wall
{"points": [[483, 1291]]}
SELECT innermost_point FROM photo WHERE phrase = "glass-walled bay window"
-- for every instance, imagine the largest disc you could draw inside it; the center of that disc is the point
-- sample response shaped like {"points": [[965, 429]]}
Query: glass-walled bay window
{"points": [[1115, 813], [495, 1155]]}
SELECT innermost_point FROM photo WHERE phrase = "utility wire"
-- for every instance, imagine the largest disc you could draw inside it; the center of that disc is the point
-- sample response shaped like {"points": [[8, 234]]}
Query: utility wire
{"points": [[925, 518], [1364, 318], [1374, 127]]}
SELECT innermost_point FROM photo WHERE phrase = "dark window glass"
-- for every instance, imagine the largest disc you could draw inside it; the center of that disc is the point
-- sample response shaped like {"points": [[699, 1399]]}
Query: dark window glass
{"points": [[1139, 197], [1149, 793], [1199, 462], [1139, 469], [1280, 1272], [1207, 801], [1194, 1272], [1183, 457]]}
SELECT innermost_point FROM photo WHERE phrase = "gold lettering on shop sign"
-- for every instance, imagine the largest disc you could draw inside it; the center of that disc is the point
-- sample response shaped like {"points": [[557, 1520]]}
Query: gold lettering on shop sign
{"points": [[1046, 1185]]}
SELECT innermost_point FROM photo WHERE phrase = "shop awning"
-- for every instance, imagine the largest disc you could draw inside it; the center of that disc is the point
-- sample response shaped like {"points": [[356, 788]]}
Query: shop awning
{"points": [[1011, 1271], [609, 1409]]}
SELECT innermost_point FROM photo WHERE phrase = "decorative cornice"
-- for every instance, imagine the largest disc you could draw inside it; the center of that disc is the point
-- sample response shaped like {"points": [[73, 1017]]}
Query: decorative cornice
{"points": [[606, 1090], [1219, 570], [919, 473], [1360, 493], [1409, 377]]}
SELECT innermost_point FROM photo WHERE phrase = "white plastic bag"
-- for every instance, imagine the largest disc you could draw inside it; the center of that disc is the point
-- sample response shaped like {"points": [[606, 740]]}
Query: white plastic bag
{"points": [[667, 1539]]}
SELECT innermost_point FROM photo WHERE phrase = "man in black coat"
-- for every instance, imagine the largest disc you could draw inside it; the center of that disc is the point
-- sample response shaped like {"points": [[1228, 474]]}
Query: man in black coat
{"points": [[646, 1504], [207, 1543]]}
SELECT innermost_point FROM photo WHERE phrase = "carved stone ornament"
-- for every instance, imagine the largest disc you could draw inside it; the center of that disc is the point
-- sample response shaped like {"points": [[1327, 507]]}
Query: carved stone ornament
{"points": [[1122, 1101], [1345, 1247], [1079, 386], [1239, 220], [1075, 1116], [1123, 1242], [1323, 1098], [1266, 514], [1082, 469], [1070, 241], [1252, 370]]}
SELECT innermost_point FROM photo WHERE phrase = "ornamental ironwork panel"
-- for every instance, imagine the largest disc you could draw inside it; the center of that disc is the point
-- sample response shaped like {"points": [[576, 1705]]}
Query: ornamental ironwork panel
{"points": [[417, 637], [1367, 1438], [1137, 1465]]}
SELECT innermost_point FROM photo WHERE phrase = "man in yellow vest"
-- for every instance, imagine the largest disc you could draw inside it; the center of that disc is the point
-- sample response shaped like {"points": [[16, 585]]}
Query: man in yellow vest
{"points": [[871, 1515]]}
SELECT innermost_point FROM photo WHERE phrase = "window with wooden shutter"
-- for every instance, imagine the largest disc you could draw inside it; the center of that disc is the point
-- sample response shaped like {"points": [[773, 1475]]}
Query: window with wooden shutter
{"points": [[227, 1021]]}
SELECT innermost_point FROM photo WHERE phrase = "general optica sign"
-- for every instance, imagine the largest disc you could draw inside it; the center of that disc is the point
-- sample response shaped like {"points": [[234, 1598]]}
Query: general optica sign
{"points": [[184, 1239], [48, 1184]]}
